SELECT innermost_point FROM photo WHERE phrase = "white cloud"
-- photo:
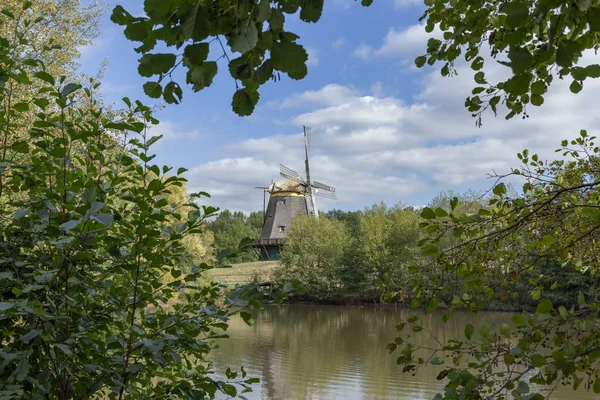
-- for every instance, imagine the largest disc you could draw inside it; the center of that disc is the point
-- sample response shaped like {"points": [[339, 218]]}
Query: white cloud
{"points": [[329, 95], [407, 3], [363, 51], [171, 131], [338, 43], [406, 43], [372, 146]]}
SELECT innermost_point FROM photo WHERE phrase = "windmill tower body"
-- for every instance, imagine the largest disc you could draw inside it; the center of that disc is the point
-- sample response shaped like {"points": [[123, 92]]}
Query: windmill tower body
{"points": [[289, 197], [287, 200]]}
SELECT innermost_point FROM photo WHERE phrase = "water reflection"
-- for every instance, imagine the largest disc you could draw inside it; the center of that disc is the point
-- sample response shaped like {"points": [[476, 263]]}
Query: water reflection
{"points": [[332, 352]]}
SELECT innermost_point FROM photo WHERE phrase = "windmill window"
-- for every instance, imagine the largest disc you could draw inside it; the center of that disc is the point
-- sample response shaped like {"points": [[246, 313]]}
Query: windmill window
{"points": [[283, 202], [281, 229]]}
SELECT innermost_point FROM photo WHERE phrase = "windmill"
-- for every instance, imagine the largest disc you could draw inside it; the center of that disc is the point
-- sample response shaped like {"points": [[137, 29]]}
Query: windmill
{"points": [[312, 189], [289, 197]]}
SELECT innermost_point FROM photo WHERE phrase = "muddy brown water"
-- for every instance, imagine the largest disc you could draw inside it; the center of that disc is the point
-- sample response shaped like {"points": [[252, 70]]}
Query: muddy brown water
{"points": [[303, 352]]}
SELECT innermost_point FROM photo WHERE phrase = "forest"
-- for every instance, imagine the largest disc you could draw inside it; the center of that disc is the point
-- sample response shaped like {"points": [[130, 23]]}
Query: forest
{"points": [[103, 250]]}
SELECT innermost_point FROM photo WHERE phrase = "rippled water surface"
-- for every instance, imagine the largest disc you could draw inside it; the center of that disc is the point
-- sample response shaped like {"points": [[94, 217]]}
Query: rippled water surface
{"points": [[334, 352]]}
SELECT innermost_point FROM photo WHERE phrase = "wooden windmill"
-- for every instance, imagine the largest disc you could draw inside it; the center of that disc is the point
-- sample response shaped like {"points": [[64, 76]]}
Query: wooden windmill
{"points": [[289, 197]]}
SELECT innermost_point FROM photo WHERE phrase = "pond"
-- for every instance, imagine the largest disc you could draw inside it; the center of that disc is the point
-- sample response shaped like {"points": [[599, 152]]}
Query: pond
{"points": [[338, 352]]}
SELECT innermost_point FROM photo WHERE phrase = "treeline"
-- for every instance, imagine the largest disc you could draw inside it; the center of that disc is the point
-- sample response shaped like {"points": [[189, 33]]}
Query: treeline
{"points": [[370, 255]]}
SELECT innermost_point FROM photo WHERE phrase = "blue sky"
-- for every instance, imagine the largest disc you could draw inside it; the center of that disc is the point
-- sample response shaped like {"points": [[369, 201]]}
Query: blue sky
{"points": [[382, 129]]}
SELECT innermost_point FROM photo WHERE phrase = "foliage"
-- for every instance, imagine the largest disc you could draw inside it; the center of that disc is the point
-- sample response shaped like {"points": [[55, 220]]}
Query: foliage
{"points": [[86, 236], [313, 253], [386, 245], [552, 227], [534, 39], [63, 28], [198, 25], [232, 228]]}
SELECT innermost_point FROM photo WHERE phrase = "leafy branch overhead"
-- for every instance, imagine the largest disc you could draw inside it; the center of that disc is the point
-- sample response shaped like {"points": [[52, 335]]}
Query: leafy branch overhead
{"points": [[254, 31], [537, 40]]}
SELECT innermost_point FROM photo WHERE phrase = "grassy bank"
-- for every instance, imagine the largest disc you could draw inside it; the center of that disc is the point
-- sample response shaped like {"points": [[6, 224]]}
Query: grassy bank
{"points": [[243, 272]]}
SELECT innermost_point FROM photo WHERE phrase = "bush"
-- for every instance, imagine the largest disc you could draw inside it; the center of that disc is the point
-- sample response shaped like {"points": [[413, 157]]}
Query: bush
{"points": [[86, 238], [313, 253]]}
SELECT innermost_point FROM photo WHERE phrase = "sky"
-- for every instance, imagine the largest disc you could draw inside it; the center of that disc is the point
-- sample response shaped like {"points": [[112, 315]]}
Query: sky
{"points": [[382, 129]]}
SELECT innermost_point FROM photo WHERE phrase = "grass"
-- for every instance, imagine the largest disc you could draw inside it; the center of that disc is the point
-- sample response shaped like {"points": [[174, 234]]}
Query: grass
{"points": [[244, 272]]}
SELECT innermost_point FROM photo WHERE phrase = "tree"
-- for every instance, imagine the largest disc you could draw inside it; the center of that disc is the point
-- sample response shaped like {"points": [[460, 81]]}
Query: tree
{"points": [[232, 228], [64, 28], [386, 246], [554, 225], [260, 55], [86, 236], [313, 253], [534, 39]]}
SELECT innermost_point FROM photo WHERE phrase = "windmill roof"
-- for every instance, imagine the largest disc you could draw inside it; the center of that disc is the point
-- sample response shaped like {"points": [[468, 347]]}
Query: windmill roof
{"points": [[286, 185]]}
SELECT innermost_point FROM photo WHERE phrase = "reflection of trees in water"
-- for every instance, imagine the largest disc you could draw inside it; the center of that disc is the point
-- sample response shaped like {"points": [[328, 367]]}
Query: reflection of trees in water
{"points": [[318, 352]]}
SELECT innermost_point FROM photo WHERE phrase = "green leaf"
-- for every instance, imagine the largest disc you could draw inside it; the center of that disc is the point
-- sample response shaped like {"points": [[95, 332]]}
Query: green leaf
{"points": [[597, 386], [311, 10], [22, 370], [196, 23], [420, 61], [276, 20], [105, 219], [518, 84], [499, 189], [516, 14], [538, 360], [548, 240], [519, 321], [522, 387], [195, 54], [593, 18], [201, 76], [291, 58], [157, 9], [244, 101], [21, 107], [32, 334], [544, 307], [469, 331], [428, 213], [575, 87], [538, 87], [46, 77], [246, 40], [593, 71], [520, 59], [155, 64], [477, 64], [5, 306], [247, 317], [537, 100], [229, 390], [568, 51], [264, 10], [120, 17], [153, 89], [172, 93], [70, 88], [67, 226]]}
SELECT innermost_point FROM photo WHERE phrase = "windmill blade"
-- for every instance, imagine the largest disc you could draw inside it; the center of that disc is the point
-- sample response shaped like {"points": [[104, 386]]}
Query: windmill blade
{"points": [[323, 186], [288, 171], [307, 136], [326, 195], [293, 178]]}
